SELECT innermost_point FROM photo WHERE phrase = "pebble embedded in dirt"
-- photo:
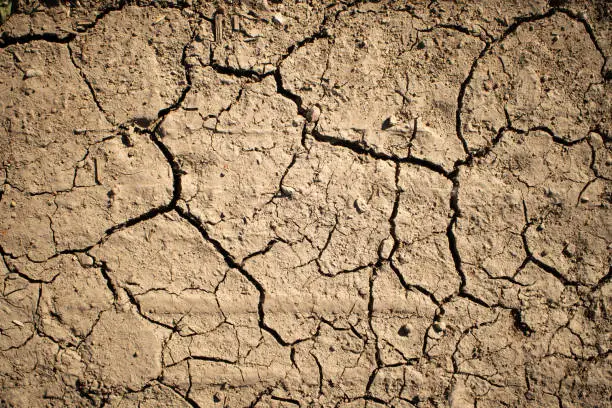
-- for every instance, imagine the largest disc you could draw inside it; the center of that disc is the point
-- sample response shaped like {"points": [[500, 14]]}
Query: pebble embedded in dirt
{"points": [[287, 191], [32, 73], [278, 19], [439, 326], [360, 205], [390, 122], [569, 250], [405, 330], [313, 114]]}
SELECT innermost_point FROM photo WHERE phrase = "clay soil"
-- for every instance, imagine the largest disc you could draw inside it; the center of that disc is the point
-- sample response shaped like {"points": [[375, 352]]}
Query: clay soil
{"points": [[306, 204]]}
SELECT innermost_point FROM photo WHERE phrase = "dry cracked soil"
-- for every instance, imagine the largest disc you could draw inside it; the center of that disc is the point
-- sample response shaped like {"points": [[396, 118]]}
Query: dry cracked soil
{"points": [[306, 203]]}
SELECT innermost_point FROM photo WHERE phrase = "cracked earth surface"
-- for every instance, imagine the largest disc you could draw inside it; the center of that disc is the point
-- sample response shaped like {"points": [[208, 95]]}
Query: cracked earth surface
{"points": [[333, 204]]}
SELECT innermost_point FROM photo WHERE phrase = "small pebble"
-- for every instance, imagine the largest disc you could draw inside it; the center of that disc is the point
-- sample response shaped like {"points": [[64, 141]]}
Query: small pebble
{"points": [[569, 250], [288, 192], [439, 327], [360, 205], [84, 259], [313, 114], [17, 323], [32, 73], [390, 122], [278, 19], [405, 330], [13, 204]]}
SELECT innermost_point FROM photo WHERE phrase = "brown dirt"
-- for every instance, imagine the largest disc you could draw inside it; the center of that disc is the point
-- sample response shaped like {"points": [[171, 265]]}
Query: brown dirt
{"points": [[334, 204]]}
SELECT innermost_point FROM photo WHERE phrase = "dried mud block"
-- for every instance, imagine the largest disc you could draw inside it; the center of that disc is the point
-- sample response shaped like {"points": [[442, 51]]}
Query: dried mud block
{"points": [[320, 219], [211, 94], [498, 360], [40, 371], [123, 351], [24, 24], [267, 31], [400, 318], [459, 316], [221, 343], [25, 224], [18, 300], [574, 239], [422, 256], [238, 300], [235, 160], [71, 305], [602, 166], [403, 386], [39, 149], [489, 229], [169, 270], [345, 361], [424, 207], [428, 263], [134, 76], [298, 296], [122, 183], [545, 74], [237, 384], [373, 70], [531, 186], [163, 252], [388, 384]]}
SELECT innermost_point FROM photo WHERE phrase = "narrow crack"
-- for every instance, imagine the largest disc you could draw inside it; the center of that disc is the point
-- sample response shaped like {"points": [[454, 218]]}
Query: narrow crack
{"points": [[82, 28], [232, 263], [6, 40], [90, 87], [461, 97]]}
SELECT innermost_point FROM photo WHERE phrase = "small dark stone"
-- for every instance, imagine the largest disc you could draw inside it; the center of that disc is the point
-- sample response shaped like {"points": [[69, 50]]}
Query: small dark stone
{"points": [[405, 330], [126, 139], [389, 122]]}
